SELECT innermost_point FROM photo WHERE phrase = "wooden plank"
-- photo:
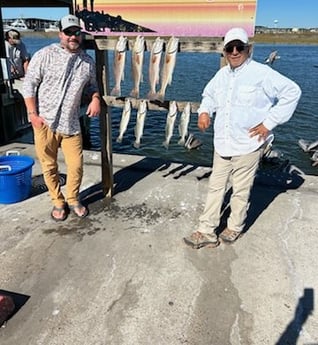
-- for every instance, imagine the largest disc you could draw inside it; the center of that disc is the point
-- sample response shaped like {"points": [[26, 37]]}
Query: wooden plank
{"points": [[199, 44], [118, 102]]}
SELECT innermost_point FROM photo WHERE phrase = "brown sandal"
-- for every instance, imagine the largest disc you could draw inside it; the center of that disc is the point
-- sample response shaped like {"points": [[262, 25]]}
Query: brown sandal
{"points": [[62, 213], [79, 210], [230, 236]]}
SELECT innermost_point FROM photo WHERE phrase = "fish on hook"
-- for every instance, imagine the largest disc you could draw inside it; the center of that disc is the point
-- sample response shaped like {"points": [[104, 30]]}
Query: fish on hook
{"points": [[168, 65], [140, 121], [170, 121], [125, 117], [119, 64], [137, 58]]}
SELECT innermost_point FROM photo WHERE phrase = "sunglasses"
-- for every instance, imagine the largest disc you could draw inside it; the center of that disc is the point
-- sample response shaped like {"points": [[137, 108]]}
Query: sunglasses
{"points": [[72, 33], [239, 48]]}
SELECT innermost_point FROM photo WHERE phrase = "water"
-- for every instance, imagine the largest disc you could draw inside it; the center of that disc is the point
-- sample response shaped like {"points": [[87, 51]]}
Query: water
{"points": [[192, 72]]}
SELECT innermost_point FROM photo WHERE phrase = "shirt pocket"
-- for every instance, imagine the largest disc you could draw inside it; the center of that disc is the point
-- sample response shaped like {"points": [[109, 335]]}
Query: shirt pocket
{"points": [[219, 97], [246, 95]]}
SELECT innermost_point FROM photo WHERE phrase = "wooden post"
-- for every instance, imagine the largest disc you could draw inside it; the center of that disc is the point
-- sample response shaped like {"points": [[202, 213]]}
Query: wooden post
{"points": [[105, 123], [223, 61]]}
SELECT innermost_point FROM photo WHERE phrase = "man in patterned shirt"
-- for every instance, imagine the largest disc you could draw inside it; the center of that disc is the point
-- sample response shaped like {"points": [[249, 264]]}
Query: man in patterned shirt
{"points": [[56, 79]]}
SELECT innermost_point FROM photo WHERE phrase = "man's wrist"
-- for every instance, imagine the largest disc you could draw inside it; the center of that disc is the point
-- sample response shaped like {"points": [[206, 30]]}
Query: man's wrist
{"points": [[33, 112], [96, 96]]}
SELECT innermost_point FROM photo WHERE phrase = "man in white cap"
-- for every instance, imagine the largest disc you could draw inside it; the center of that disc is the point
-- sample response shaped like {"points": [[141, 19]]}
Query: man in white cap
{"points": [[57, 78], [16, 54], [248, 100]]}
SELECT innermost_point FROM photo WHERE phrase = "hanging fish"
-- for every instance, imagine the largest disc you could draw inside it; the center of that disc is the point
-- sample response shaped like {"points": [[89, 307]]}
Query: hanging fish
{"points": [[140, 121], [154, 66], [137, 58], [168, 65], [125, 117], [119, 64], [171, 118], [184, 123]]}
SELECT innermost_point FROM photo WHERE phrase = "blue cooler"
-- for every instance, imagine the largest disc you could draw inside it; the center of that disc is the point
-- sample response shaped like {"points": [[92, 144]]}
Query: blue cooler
{"points": [[15, 178]]}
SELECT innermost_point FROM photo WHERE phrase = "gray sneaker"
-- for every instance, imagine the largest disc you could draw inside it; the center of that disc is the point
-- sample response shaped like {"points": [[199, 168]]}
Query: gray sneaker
{"points": [[199, 239]]}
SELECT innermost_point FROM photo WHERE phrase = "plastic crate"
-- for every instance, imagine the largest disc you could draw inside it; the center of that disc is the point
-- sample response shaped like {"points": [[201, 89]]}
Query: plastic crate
{"points": [[15, 178]]}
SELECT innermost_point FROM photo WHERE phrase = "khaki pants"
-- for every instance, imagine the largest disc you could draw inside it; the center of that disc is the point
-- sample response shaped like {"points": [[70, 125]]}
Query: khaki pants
{"points": [[47, 144], [242, 170]]}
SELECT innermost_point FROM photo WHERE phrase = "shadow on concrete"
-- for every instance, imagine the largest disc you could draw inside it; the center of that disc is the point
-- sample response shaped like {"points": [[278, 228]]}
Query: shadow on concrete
{"points": [[18, 299], [268, 184], [39, 186], [304, 308], [124, 179]]}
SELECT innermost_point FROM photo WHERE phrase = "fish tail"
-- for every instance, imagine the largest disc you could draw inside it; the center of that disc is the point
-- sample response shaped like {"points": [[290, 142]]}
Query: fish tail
{"points": [[181, 141], [161, 96], [136, 145], [115, 91], [165, 144], [134, 93], [152, 95]]}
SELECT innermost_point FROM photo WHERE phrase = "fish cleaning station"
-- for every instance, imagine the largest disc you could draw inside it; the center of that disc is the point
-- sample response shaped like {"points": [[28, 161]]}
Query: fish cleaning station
{"points": [[123, 275]]}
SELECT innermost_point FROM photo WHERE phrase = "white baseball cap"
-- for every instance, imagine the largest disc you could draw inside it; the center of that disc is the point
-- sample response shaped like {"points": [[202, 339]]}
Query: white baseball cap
{"points": [[236, 34], [70, 21]]}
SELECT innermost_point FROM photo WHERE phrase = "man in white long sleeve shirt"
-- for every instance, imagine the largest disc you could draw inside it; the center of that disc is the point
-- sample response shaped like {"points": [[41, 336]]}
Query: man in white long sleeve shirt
{"points": [[248, 100]]}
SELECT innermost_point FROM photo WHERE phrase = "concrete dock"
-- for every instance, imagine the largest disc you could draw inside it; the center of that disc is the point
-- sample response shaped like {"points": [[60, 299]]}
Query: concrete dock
{"points": [[123, 275]]}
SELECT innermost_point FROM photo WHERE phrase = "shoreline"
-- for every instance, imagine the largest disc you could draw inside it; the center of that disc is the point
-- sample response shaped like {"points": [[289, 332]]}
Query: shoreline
{"points": [[287, 38]]}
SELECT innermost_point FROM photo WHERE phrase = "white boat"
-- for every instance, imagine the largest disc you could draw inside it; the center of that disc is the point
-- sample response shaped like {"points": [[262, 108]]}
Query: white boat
{"points": [[52, 28], [19, 24]]}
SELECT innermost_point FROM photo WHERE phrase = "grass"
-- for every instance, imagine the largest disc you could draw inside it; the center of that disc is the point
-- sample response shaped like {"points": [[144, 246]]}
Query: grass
{"points": [[288, 38]]}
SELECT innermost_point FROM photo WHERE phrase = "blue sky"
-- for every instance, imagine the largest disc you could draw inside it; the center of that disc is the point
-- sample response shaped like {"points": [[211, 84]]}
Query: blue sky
{"points": [[288, 13]]}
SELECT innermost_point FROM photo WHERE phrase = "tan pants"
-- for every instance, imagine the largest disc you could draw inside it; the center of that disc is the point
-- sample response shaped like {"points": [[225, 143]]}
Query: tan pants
{"points": [[241, 170], [47, 144]]}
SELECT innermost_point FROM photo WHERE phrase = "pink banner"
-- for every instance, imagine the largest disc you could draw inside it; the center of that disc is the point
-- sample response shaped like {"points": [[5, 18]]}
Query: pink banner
{"points": [[206, 18]]}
